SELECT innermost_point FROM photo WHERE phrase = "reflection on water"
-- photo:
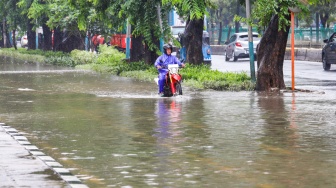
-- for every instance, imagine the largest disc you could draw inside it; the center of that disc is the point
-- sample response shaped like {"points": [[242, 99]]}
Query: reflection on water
{"points": [[115, 132]]}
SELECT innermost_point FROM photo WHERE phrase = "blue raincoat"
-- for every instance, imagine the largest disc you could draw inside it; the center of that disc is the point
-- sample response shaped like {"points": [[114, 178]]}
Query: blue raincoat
{"points": [[163, 61]]}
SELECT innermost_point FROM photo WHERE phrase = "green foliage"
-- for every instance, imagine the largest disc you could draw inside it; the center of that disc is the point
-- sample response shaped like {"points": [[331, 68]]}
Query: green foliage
{"points": [[50, 57], [83, 57], [205, 78], [263, 10], [61, 60], [139, 75], [193, 9], [109, 56], [110, 60], [23, 54]]}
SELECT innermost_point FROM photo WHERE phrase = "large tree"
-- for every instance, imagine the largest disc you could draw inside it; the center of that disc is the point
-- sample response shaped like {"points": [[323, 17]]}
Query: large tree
{"points": [[29, 23], [39, 11], [145, 17], [142, 15], [61, 17], [271, 51], [11, 19], [194, 12]]}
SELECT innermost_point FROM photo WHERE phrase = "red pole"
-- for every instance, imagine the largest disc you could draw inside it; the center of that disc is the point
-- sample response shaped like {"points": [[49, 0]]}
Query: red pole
{"points": [[292, 49]]}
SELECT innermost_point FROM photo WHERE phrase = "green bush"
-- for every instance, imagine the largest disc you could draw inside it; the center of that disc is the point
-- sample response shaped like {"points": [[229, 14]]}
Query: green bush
{"points": [[202, 77], [83, 57], [23, 54], [110, 60], [61, 60]]}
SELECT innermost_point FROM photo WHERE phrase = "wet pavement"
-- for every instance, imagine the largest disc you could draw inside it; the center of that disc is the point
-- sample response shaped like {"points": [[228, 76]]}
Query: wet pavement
{"points": [[24, 165], [111, 131]]}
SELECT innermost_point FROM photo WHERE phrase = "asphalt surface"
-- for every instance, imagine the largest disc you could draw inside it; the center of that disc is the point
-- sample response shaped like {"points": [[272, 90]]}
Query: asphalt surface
{"points": [[24, 165]]}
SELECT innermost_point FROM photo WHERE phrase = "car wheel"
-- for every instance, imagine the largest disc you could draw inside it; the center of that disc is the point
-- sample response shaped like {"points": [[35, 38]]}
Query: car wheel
{"points": [[226, 57], [326, 66], [235, 58]]}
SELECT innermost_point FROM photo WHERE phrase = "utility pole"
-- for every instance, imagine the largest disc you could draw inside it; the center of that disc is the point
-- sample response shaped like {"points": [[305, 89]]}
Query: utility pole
{"points": [[250, 39], [128, 40], [160, 24], [293, 10]]}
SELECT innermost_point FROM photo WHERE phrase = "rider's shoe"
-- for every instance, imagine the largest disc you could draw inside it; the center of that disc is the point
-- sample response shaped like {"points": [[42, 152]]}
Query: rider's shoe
{"points": [[161, 94]]}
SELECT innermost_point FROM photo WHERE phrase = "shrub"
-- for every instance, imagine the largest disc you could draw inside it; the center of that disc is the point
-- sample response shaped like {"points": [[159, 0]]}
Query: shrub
{"points": [[112, 61], [61, 60], [83, 57]]}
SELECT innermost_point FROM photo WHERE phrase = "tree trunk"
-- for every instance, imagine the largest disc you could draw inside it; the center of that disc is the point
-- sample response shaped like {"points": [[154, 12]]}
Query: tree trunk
{"points": [[71, 40], [5, 33], [57, 39], [220, 33], [47, 34], [228, 34], [68, 40], [193, 41], [324, 18], [14, 39], [237, 24], [1, 38], [137, 49], [31, 35], [317, 27], [150, 56], [270, 58]]}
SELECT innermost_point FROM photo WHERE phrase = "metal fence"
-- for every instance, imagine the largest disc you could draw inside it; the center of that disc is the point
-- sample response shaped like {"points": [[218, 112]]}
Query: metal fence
{"points": [[304, 37]]}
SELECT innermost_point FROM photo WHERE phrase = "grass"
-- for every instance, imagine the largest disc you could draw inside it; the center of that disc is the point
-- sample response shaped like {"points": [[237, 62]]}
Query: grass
{"points": [[110, 60]]}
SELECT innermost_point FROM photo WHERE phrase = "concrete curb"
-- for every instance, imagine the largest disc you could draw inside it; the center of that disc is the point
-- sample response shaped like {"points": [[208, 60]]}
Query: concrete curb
{"points": [[304, 54], [62, 172]]}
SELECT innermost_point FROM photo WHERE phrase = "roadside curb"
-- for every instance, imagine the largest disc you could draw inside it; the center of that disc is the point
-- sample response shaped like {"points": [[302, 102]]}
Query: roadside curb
{"points": [[62, 172], [304, 54]]}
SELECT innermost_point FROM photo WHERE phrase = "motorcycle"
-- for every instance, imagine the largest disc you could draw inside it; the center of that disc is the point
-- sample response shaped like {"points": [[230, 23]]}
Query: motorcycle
{"points": [[172, 85]]}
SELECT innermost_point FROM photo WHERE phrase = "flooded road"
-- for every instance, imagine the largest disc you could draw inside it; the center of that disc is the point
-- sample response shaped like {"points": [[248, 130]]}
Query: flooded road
{"points": [[116, 132]]}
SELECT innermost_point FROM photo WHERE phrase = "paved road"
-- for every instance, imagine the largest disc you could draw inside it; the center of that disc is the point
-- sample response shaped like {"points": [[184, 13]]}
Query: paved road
{"points": [[303, 69], [308, 75]]}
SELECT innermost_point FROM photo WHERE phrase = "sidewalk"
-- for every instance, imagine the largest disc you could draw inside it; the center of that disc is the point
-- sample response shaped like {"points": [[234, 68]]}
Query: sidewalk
{"points": [[24, 165]]}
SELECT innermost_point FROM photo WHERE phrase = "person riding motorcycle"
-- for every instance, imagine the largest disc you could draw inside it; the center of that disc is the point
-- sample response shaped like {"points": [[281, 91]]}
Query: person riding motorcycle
{"points": [[161, 65]]}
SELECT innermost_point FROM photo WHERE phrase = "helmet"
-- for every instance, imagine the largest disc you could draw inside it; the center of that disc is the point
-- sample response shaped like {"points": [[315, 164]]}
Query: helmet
{"points": [[166, 46]]}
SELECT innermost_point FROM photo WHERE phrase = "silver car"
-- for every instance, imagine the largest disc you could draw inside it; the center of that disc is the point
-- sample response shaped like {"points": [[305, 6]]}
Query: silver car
{"points": [[238, 46]]}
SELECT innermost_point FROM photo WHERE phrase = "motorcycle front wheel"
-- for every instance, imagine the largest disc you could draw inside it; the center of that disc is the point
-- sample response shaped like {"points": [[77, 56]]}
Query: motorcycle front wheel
{"points": [[167, 91], [179, 88]]}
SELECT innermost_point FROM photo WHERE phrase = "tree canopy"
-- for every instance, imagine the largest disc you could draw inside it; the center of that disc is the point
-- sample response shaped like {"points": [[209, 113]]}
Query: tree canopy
{"points": [[108, 16]]}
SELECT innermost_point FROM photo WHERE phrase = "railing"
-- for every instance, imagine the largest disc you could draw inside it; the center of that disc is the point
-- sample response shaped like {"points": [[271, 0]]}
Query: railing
{"points": [[304, 37]]}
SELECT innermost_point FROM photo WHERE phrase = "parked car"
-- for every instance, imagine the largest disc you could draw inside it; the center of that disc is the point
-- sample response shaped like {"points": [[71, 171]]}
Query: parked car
{"points": [[238, 46], [24, 41], [329, 52]]}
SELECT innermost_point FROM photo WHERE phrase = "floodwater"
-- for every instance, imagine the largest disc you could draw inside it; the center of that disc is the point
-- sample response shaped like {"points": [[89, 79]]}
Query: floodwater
{"points": [[115, 132]]}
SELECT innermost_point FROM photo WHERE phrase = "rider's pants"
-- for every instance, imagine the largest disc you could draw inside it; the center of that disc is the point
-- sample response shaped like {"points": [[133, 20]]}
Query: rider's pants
{"points": [[162, 79]]}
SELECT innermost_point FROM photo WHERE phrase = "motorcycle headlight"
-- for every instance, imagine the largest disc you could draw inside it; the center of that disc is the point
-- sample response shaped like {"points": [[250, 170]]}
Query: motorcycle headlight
{"points": [[174, 70], [208, 51]]}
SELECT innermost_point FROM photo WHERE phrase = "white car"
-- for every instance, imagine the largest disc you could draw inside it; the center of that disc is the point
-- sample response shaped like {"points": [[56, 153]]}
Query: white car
{"points": [[238, 46], [24, 41]]}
